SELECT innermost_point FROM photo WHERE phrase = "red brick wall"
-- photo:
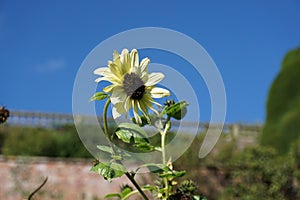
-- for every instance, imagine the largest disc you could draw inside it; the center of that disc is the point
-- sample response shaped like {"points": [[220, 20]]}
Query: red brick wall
{"points": [[67, 179]]}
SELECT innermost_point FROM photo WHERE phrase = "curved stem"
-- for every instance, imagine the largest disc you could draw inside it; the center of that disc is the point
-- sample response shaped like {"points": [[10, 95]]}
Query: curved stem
{"points": [[105, 121], [132, 193], [37, 189], [108, 137]]}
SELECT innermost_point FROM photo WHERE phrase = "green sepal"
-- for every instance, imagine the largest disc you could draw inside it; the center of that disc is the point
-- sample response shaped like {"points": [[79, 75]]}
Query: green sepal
{"points": [[109, 170], [131, 133], [177, 110], [98, 96]]}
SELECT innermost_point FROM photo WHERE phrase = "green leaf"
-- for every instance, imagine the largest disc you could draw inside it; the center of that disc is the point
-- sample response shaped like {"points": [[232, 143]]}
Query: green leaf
{"points": [[157, 168], [98, 96], [125, 191], [177, 110], [131, 133], [172, 174], [145, 147], [106, 149], [112, 195], [109, 170], [151, 188]]}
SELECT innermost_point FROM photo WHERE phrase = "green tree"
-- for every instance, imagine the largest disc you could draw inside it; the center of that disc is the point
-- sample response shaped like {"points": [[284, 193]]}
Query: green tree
{"points": [[282, 125]]}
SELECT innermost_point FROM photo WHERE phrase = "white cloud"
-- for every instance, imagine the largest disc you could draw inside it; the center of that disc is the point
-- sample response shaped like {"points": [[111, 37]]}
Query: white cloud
{"points": [[52, 65]]}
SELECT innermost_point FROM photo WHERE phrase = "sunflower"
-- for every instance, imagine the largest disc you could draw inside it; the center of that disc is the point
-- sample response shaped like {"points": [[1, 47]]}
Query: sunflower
{"points": [[132, 87]]}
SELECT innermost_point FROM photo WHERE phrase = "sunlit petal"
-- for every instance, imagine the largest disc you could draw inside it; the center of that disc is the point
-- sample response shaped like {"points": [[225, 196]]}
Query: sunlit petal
{"points": [[108, 89], [100, 71], [101, 79], [154, 78], [118, 95], [159, 92]]}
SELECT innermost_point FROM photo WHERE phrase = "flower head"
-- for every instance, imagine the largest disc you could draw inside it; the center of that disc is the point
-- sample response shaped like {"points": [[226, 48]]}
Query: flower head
{"points": [[131, 84]]}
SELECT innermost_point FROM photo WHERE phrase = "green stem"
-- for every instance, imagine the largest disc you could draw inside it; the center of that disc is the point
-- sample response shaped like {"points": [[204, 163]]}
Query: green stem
{"points": [[132, 193], [108, 137], [105, 121], [163, 149]]}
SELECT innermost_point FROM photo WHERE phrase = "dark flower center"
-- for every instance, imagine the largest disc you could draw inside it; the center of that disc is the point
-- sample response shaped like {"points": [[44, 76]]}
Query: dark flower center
{"points": [[134, 86]]}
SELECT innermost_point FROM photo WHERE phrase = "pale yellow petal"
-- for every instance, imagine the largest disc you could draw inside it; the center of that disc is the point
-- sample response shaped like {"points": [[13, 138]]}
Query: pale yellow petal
{"points": [[118, 95], [159, 92], [134, 58], [101, 79], [135, 112], [115, 69], [144, 110], [147, 101], [108, 89], [116, 55], [144, 65], [124, 52], [100, 71], [127, 104], [154, 78], [118, 110]]}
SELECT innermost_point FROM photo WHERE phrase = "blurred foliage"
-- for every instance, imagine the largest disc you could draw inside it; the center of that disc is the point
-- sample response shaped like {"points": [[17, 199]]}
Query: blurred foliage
{"points": [[253, 172], [282, 125], [259, 173], [62, 141]]}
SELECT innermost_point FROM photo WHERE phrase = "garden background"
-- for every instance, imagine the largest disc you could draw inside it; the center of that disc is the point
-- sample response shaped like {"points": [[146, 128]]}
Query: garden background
{"points": [[254, 44]]}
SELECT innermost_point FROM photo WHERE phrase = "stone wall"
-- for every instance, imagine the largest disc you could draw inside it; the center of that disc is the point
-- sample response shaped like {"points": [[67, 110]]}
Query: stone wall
{"points": [[68, 179]]}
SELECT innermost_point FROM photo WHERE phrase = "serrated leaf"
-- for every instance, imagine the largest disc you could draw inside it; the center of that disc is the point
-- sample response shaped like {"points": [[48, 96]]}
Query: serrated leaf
{"points": [[98, 96], [112, 195], [106, 149], [131, 133], [109, 170]]}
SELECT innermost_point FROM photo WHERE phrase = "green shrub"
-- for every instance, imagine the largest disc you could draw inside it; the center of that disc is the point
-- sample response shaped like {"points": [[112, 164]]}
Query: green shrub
{"points": [[282, 125], [259, 173], [33, 141]]}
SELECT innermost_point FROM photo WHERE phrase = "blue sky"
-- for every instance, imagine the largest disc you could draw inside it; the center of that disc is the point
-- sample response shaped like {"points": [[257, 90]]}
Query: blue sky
{"points": [[43, 43]]}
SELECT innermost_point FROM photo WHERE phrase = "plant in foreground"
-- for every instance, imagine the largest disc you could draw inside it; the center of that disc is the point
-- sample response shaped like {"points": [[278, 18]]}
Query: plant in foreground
{"points": [[133, 89]]}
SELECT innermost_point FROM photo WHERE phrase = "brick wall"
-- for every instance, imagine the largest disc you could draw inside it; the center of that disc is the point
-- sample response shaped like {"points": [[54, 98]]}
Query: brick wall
{"points": [[68, 179]]}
